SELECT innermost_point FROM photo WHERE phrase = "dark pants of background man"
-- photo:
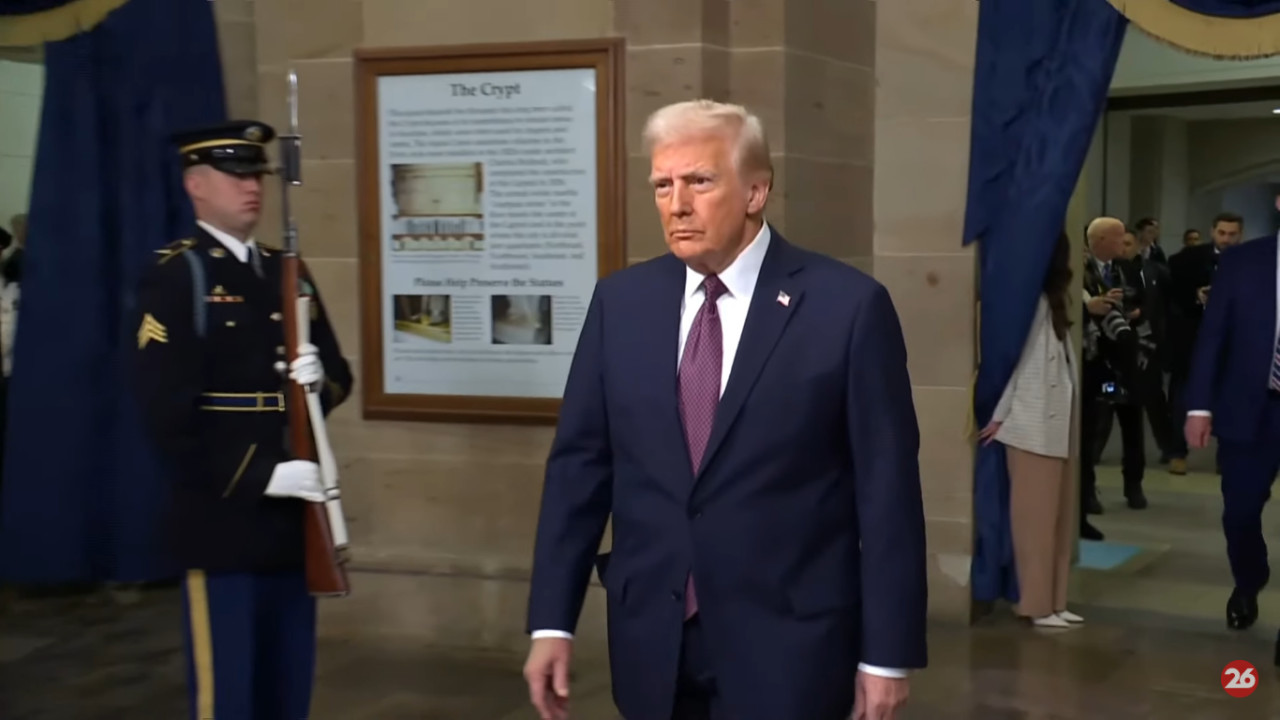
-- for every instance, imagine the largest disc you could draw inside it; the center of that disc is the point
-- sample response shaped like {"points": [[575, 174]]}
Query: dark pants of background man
{"points": [[1177, 406], [1133, 450], [4, 421], [1090, 412], [1168, 436], [1095, 417]]}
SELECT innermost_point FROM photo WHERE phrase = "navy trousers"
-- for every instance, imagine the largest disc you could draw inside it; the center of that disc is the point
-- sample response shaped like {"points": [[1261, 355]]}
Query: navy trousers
{"points": [[251, 641], [1248, 471]]}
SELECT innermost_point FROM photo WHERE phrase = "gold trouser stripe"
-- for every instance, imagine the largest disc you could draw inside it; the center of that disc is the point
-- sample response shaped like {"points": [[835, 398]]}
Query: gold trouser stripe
{"points": [[240, 471], [201, 642]]}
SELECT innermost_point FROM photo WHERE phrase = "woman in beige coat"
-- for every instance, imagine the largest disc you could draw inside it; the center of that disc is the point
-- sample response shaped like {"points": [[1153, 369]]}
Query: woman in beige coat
{"points": [[1035, 422]]}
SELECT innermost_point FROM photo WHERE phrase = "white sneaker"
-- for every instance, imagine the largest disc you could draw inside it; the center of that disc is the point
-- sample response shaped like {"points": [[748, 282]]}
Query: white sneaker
{"points": [[1070, 617], [1050, 621]]}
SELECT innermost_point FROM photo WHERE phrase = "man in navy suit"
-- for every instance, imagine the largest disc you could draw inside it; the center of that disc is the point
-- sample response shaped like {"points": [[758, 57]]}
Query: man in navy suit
{"points": [[742, 408], [1233, 392]]}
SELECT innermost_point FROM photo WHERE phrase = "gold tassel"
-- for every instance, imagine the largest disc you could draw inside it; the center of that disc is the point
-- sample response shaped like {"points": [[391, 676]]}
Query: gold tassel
{"points": [[1205, 35], [59, 23]]}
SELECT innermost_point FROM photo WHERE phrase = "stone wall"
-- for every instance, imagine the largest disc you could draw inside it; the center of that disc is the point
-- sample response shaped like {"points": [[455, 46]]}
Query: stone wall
{"points": [[924, 77], [442, 515]]}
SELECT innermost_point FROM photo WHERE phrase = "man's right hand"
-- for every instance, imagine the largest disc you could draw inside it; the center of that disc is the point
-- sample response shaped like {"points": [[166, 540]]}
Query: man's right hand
{"points": [[1197, 430], [1100, 305], [547, 672]]}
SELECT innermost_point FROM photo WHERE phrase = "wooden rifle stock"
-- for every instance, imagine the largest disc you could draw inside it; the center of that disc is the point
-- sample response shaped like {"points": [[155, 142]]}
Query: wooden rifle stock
{"points": [[326, 575]]}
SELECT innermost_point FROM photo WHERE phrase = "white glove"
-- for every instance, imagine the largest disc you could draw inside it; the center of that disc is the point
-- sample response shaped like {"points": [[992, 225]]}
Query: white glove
{"points": [[296, 479], [307, 370]]}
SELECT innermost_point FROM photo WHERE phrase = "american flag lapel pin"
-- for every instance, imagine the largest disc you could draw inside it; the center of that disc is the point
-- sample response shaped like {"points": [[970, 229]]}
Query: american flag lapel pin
{"points": [[784, 299]]}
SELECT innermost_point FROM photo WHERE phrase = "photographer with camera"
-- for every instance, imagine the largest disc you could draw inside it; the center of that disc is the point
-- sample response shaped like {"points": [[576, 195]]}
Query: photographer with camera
{"points": [[1112, 355]]}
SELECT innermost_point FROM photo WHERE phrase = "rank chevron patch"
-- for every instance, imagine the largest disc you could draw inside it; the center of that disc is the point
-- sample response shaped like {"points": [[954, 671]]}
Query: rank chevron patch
{"points": [[151, 330]]}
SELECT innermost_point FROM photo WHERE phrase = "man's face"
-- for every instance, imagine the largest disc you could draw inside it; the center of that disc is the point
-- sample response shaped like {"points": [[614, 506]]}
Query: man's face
{"points": [[703, 200], [1226, 234], [231, 202], [1150, 234], [1130, 246], [1192, 238]]}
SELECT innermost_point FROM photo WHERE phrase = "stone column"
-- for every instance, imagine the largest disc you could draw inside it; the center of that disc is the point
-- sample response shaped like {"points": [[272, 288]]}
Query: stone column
{"points": [[807, 69], [676, 50], [924, 74], [236, 45]]}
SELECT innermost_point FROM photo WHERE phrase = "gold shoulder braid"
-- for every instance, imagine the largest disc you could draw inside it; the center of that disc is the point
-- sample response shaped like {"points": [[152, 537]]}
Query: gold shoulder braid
{"points": [[174, 249]]}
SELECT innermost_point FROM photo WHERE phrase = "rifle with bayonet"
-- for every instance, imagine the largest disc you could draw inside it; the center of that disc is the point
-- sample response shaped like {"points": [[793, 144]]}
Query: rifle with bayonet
{"points": [[326, 526]]}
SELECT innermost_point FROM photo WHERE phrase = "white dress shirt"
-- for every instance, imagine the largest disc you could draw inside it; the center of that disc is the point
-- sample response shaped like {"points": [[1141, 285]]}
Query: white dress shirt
{"points": [[239, 248], [1275, 339], [740, 284]]}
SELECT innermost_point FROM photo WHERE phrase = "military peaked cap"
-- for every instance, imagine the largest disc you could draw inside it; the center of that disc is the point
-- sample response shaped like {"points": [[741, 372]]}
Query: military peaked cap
{"points": [[238, 147]]}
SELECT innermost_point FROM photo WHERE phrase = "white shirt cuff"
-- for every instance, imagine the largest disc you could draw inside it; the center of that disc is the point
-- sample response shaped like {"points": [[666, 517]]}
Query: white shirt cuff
{"points": [[1199, 413], [894, 673], [538, 634]]}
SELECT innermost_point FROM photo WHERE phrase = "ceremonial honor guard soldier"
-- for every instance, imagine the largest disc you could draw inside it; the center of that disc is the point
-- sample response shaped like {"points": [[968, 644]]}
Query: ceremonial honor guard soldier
{"points": [[211, 378]]}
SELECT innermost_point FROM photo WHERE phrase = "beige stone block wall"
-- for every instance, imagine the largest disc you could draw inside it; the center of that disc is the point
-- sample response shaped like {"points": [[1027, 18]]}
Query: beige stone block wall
{"points": [[237, 44], [924, 71], [442, 515], [808, 70]]}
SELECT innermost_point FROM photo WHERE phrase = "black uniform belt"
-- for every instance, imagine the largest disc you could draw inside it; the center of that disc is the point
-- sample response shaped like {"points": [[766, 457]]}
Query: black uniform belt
{"points": [[243, 402]]}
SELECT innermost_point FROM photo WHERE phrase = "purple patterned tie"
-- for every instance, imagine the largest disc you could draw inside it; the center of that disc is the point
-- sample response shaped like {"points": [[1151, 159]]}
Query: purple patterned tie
{"points": [[700, 369]]}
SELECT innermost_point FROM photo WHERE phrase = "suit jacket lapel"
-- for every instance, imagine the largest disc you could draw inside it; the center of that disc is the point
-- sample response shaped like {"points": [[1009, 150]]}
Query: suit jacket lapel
{"points": [[774, 302]]}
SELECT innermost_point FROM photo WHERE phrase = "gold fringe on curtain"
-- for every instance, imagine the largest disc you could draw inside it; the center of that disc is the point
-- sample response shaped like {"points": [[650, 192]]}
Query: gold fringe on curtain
{"points": [[59, 23], [1216, 37]]}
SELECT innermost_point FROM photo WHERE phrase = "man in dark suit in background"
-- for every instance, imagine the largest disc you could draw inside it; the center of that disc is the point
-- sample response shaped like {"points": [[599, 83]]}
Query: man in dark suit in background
{"points": [[1105, 275], [1147, 233], [1192, 273], [1152, 282], [768, 543], [1233, 393]]}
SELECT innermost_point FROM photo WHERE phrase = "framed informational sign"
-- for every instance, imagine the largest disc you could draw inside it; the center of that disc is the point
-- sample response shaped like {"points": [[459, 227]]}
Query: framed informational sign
{"points": [[491, 201]]}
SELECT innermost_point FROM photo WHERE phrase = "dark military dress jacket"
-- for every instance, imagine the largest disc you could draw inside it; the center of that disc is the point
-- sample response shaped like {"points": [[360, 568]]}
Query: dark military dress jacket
{"points": [[209, 338]]}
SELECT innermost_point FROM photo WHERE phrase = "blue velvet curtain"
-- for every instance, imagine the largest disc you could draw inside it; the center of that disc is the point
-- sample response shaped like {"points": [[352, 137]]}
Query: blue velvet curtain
{"points": [[1041, 78], [26, 7], [1231, 8], [83, 487]]}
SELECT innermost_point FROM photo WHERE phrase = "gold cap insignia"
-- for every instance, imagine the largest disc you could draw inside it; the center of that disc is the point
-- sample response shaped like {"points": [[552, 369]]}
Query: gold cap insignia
{"points": [[253, 133], [151, 330], [219, 290]]}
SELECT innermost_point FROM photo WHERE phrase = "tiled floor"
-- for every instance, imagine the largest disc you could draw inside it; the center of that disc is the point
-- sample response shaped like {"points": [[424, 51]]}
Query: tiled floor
{"points": [[1183, 567], [1154, 647]]}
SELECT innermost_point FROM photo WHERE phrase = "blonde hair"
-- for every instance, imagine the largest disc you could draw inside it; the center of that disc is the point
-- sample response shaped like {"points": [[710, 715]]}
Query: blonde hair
{"points": [[693, 118]]}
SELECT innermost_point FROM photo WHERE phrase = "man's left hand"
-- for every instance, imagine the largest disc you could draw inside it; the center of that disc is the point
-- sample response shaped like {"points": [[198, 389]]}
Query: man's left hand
{"points": [[879, 698], [306, 369]]}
